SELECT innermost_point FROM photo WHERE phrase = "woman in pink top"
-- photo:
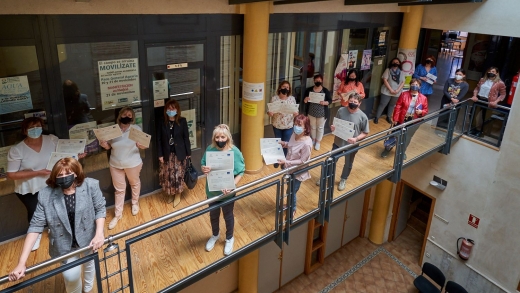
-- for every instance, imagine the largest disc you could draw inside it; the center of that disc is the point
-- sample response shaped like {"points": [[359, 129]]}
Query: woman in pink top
{"points": [[350, 84], [298, 152]]}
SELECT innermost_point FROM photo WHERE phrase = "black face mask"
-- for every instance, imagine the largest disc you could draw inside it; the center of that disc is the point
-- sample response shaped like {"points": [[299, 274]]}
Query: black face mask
{"points": [[353, 106], [491, 75], [284, 91], [318, 83], [428, 62], [351, 79], [125, 120], [221, 144], [66, 181], [395, 65]]}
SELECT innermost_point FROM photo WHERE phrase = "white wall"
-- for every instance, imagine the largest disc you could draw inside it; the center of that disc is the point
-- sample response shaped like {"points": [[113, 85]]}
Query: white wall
{"points": [[494, 17]]}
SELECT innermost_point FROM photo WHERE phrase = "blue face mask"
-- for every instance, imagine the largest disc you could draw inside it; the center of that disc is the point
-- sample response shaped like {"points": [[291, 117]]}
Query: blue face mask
{"points": [[171, 113], [414, 88], [34, 132], [298, 129]]}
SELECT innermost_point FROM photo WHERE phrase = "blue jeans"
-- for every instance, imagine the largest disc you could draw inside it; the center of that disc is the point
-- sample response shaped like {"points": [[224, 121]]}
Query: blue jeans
{"points": [[284, 134], [296, 183]]}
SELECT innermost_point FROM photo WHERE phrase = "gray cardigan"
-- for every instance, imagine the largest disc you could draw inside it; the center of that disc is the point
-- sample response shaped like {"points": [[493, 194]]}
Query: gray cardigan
{"points": [[51, 210]]}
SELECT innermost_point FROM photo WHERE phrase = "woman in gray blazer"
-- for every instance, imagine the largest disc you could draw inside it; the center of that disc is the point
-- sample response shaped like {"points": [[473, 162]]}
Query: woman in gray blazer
{"points": [[74, 209]]}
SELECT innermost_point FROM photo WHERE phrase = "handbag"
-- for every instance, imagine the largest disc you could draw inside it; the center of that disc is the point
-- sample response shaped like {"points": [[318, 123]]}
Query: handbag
{"points": [[191, 175]]}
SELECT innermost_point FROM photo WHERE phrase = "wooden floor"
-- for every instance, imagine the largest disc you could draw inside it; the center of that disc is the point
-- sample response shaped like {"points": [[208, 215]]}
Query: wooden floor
{"points": [[171, 255]]}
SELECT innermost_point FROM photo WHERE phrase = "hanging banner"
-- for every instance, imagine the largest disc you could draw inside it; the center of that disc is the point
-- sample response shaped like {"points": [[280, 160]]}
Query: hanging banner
{"points": [[15, 94], [253, 91], [407, 57], [119, 83], [191, 118], [352, 59], [367, 59]]}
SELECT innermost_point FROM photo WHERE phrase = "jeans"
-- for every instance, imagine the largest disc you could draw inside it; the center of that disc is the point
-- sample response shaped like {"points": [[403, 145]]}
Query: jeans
{"points": [[284, 134], [317, 127], [118, 179], [30, 201], [296, 184], [229, 218], [349, 162], [386, 100]]}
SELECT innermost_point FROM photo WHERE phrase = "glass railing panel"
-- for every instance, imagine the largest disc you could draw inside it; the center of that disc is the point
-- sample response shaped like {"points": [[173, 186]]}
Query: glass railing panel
{"points": [[424, 136], [488, 124], [307, 197]]}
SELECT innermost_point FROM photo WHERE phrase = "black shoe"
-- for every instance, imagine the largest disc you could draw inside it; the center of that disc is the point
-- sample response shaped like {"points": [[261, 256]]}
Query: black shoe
{"points": [[388, 120], [276, 165], [376, 120]]}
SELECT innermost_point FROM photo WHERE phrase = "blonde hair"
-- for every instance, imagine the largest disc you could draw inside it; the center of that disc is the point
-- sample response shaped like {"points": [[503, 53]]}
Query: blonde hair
{"points": [[497, 77], [124, 110], [222, 129]]}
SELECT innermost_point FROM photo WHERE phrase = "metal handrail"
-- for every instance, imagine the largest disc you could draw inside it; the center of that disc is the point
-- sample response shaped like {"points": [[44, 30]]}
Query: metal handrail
{"points": [[112, 238]]}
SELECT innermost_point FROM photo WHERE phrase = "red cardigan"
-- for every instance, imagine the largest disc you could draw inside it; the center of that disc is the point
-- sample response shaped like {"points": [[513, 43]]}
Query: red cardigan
{"points": [[403, 103]]}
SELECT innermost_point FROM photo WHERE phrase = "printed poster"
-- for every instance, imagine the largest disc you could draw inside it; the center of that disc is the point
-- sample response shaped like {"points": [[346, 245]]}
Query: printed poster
{"points": [[160, 89], [382, 38], [407, 57], [3, 162], [352, 59], [85, 131], [119, 83], [15, 94], [253, 91], [249, 109], [367, 59], [339, 75], [191, 118]]}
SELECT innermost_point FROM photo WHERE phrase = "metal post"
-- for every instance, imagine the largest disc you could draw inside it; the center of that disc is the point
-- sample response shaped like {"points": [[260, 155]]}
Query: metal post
{"points": [[451, 126], [288, 179], [398, 160]]}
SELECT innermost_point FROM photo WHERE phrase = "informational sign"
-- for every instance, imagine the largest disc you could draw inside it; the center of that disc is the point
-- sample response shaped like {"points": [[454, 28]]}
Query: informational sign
{"points": [[249, 109], [3, 162], [253, 91], [191, 118], [39, 114], [352, 59], [407, 57], [160, 89], [382, 38], [139, 117], [175, 66], [473, 221], [85, 131], [367, 59], [15, 94], [119, 83]]}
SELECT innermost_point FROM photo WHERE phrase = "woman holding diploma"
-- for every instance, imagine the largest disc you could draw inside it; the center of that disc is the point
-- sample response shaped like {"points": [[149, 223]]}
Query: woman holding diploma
{"points": [[124, 160], [74, 209], [299, 149], [353, 114], [173, 147], [282, 123], [422, 71], [317, 113], [350, 84], [221, 142]]}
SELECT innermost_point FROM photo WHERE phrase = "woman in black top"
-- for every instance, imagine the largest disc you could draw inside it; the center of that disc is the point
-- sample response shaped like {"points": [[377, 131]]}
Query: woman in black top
{"points": [[173, 147], [455, 89], [317, 113]]}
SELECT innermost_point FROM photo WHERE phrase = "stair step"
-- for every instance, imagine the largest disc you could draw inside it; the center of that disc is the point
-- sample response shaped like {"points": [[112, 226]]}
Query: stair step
{"points": [[417, 225], [421, 215]]}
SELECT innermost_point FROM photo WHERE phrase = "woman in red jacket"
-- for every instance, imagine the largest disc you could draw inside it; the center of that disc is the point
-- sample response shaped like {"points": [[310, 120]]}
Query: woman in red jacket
{"points": [[410, 106]]}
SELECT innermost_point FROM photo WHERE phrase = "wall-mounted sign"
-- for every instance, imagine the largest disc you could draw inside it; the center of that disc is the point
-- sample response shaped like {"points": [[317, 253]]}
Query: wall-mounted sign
{"points": [[473, 221], [191, 118], [15, 94], [367, 59], [253, 91], [178, 65], [119, 83]]}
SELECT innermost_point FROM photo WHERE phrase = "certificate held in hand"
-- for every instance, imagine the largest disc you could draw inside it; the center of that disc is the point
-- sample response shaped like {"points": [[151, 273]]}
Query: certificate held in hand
{"points": [[55, 157], [316, 97], [344, 129], [221, 179], [139, 136], [108, 133], [71, 146]]}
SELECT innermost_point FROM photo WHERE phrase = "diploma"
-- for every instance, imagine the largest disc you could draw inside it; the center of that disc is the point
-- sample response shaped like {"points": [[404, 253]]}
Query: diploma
{"points": [[274, 107], [346, 96], [316, 97], [108, 133], [431, 76], [71, 146], [221, 179], [269, 143], [55, 157], [289, 108], [220, 160], [273, 154], [139, 136], [344, 129]]}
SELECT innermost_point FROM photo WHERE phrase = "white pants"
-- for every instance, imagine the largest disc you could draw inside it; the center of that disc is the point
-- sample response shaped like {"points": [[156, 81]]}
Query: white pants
{"points": [[317, 127], [72, 276]]}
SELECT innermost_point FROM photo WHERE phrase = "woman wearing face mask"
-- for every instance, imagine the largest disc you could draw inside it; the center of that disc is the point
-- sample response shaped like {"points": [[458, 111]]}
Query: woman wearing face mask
{"points": [[173, 147], [27, 162], [353, 114], [455, 89], [350, 85], [317, 113], [489, 89], [421, 72], [299, 149], [221, 142], [283, 123], [124, 160], [393, 82], [73, 208], [410, 105]]}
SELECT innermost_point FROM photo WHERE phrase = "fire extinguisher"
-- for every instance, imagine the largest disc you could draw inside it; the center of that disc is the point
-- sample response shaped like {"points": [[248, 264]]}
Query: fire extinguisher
{"points": [[514, 84], [465, 248]]}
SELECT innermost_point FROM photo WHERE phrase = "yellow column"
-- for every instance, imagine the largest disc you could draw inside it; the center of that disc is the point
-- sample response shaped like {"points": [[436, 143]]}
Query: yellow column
{"points": [[411, 27], [248, 273], [380, 211], [256, 34]]}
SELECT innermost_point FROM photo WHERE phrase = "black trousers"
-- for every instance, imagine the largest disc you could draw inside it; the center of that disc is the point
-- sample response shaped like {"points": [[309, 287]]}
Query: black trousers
{"points": [[229, 218], [349, 162], [30, 201]]}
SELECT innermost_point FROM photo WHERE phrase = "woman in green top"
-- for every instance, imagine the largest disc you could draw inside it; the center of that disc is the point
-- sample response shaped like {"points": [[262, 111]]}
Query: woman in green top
{"points": [[222, 141]]}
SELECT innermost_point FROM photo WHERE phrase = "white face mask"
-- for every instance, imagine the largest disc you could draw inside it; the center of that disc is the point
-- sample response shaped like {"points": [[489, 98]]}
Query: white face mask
{"points": [[458, 77]]}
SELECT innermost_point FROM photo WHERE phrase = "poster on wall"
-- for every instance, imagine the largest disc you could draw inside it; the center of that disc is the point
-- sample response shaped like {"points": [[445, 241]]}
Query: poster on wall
{"points": [[15, 94], [407, 57], [119, 83], [477, 47], [253, 91], [340, 74], [382, 38], [3, 162], [160, 89], [352, 59], [191, 118], [85, 131], [367, 59]]}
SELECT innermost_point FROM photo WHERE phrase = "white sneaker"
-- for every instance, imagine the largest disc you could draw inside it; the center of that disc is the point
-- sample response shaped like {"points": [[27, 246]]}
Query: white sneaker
{"points": [[135, 209], [211, 242], [113, 223], [228, 247], [37, 243], [318, 182], [317, 146], [342, 184]]}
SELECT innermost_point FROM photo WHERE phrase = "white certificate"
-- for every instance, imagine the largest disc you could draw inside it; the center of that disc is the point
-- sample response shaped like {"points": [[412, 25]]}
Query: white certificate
{"points": [[274, 107], [431, 76], [272, 155], [55, 157], [108, 133], [220, 160], [269, 143], [344, 129], [316, 97], [283, 108], [71, 146], [139, 136], [221, 179]]}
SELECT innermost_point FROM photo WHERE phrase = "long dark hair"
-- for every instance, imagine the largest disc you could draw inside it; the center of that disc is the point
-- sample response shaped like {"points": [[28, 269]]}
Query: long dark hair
{"points": [[350, 71], [392, 61], [177, 107]]}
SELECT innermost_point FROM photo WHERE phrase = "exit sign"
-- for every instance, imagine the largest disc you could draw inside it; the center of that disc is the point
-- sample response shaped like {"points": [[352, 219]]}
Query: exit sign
{"points": [[473, 221]]}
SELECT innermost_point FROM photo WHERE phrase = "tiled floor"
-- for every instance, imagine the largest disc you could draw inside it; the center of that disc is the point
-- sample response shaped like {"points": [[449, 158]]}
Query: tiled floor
{"points": [[362, 266]]}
